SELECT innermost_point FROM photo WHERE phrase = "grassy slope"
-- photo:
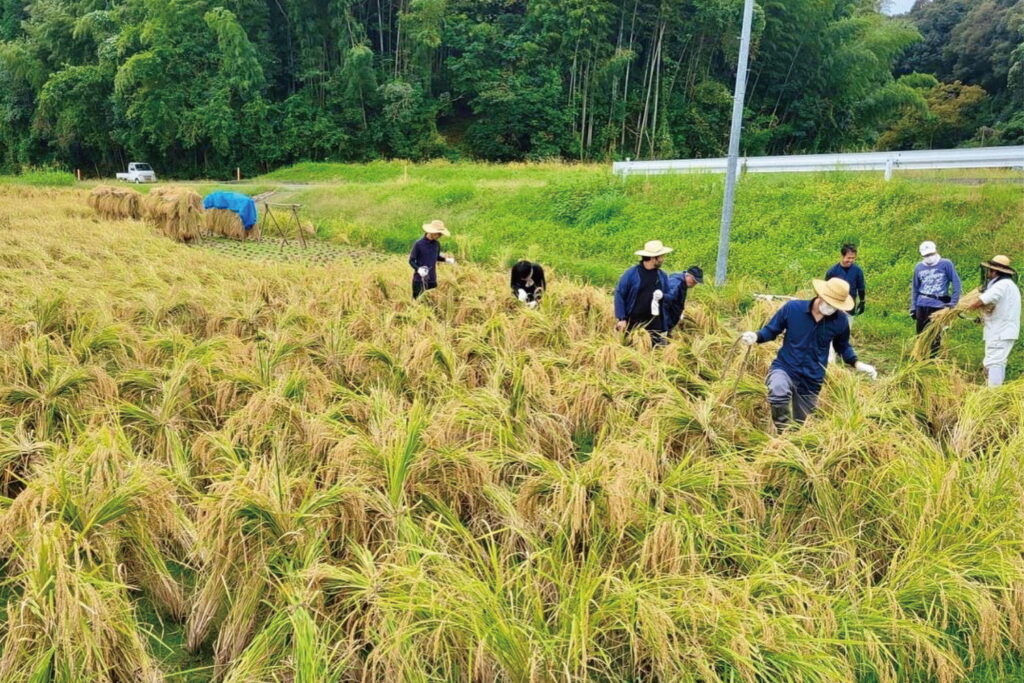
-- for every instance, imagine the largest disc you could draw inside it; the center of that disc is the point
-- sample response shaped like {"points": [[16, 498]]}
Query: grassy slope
{"points": [[584, 223]]}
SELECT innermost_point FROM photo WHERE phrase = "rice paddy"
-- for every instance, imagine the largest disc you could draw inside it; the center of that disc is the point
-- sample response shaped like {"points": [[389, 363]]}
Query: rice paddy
{"points": [[217, 468]]}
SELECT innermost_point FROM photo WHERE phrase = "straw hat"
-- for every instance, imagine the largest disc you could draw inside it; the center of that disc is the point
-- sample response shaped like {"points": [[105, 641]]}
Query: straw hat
{"points": [[436, 227], [1000, 264], [836, 292], [654, 248]]}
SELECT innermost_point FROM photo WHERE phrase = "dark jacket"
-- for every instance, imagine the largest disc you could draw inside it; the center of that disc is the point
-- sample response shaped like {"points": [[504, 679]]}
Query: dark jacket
{"points": [[804, 352], [425, 253], [675, 300], [628, 289], [535, 291]]}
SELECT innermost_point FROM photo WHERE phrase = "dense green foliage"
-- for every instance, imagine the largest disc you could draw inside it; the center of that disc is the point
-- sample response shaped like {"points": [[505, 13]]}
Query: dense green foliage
{"points": [[980, 43], [202, 86]]}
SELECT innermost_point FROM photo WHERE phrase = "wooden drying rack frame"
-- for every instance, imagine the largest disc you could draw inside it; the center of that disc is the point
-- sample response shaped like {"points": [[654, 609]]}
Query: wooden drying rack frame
{"points": [[282, 229]]}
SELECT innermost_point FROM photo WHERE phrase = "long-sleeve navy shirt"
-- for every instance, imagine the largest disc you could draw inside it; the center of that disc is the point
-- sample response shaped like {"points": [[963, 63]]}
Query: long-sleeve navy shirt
{"points": [[853, 275], [425, 253], [804, 352]]}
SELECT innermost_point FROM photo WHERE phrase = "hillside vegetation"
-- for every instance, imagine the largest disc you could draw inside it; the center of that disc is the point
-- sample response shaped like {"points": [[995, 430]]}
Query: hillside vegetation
{"points": [[213, 468]]}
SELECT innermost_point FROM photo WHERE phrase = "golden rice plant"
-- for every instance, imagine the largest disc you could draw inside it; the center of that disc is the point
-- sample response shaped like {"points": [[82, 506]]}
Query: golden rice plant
{"points": [[307, 476]]}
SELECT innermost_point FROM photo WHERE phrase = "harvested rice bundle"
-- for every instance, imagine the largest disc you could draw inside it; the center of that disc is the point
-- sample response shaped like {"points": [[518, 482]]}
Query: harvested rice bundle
{"points": [[115, 203], [941, 321], [226, 223], [151, 202], [178, 215]]}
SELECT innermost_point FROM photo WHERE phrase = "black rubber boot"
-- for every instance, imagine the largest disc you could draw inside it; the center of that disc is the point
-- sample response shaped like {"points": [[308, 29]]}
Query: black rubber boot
{"points": [[780, 416]]}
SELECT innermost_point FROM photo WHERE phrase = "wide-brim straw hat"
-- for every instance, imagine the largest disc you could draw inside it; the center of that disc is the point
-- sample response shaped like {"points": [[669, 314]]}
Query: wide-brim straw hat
{"points": [[654, 248], [835, 291], [1000, 264], [436, 228]]}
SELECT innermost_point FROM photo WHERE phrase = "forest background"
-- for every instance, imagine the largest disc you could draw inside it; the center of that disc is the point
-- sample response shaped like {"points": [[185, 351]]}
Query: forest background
{"points": [[200, 87]]}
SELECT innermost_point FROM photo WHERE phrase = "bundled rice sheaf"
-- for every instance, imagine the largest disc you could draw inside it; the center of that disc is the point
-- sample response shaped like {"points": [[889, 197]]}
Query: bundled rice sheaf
{"points": [[116, 203], [942, 320], [177, 213], [228, 224]]}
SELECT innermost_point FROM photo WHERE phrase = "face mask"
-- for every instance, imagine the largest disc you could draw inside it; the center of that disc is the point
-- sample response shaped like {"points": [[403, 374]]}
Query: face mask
{"points": [[931, 260], [825, 309]]}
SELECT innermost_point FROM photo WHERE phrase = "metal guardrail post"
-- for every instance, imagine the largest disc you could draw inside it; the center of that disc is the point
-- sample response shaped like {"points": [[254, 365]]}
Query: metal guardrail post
{"points": [[888, 169]]}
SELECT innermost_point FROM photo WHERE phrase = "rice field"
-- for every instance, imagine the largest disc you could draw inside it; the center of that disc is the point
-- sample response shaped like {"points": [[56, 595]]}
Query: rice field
{"points": [[222, 469]]}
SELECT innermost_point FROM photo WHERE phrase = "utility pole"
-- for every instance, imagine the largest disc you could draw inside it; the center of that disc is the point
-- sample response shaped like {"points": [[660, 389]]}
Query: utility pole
{"points": [[734, 143]]}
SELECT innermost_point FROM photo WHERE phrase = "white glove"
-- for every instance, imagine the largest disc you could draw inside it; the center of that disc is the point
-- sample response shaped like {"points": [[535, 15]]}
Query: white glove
{"points": [[423, 271], [449, 260], [531, 304], [869, 370], [749, 338], [656, 302], [523, 296]]}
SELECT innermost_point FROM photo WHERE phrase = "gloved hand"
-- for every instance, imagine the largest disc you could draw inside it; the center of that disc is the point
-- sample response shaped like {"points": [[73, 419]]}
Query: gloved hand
{"points": [[523, 296], [860, 308], [749, 338], [423, 271], [869, 370], [449, 260], [620, 326], [912, 316], [656, 302], [531, 304]]}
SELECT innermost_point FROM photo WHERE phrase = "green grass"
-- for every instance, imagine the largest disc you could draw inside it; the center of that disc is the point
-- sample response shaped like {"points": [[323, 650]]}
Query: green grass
{"points": [[583, 222], [40, 178]]}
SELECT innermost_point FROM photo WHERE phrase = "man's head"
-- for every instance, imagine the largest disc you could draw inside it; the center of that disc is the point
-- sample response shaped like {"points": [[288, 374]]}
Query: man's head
{"points": [[694, 276], [848, 255], [522, 271], [998, 266], [832, 295], [653, 254]]}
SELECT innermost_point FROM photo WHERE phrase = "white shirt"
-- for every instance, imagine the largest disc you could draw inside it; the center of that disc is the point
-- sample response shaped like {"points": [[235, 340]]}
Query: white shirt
{"points": [[1003, 323]]}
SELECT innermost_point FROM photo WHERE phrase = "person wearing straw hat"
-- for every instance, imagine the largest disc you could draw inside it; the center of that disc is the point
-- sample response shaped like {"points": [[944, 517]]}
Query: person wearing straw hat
{"points": [[639, 294], [811, 327], [679, 286], [1002, 322], [425, 255], [930, 287]]}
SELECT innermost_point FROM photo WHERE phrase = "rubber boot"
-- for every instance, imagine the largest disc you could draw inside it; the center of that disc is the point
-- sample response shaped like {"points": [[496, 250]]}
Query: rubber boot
{"points": [[780, 416]]}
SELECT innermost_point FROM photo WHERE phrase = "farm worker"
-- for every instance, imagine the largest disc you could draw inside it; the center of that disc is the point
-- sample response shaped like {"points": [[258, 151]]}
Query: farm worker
{"points": [[638, 297], [811, 327], [679, 285], [930, 288], [1002, 322], [527, 282], [847, 269], [425, 255]]}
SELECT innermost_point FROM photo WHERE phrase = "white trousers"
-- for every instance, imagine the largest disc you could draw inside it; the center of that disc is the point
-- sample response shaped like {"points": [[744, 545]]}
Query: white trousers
{"points": [[996, 355]]}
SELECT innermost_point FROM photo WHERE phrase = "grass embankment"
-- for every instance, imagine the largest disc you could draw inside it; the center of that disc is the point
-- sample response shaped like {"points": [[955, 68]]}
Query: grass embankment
{"points": [[300, 474], [787, 229]]}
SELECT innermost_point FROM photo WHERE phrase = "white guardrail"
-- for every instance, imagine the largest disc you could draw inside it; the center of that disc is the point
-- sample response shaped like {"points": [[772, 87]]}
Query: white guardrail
{"points": [[979, 157]]}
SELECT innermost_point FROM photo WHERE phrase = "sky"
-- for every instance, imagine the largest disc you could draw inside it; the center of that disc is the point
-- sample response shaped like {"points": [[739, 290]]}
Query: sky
{"points": [[899, 6]]}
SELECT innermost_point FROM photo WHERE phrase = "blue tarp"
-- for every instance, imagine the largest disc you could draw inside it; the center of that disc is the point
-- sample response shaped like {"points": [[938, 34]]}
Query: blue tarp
{"points": [[244, 206]]}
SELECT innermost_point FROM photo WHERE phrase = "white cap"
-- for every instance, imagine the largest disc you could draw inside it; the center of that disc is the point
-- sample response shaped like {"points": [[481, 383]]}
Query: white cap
{"points": [[927, 248]]}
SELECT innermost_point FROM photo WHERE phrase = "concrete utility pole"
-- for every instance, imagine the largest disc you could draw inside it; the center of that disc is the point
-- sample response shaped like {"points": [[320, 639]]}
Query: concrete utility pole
{"points": [[734, 143]]}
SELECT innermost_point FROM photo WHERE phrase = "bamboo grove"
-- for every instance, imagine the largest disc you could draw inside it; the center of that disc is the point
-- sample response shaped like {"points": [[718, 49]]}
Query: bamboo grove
{"points": [[301, 475], [200, 87]]}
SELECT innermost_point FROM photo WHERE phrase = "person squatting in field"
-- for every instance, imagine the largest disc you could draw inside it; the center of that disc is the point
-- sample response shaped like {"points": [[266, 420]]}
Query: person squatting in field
{"points": [[527, 282], [810, 328], [1000, 294], [679, 286], [847, 269], [930, 287], [639, 294], [426, 255]]}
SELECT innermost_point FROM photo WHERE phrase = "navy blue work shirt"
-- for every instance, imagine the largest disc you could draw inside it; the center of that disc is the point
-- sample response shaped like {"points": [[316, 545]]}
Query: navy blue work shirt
{"points": [[853, 275], [804, 352]]}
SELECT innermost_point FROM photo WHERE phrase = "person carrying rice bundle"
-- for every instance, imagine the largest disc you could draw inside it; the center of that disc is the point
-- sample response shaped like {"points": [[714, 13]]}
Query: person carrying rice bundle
{"points": [[426, 255], [1000, 297], [930, 287]]}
